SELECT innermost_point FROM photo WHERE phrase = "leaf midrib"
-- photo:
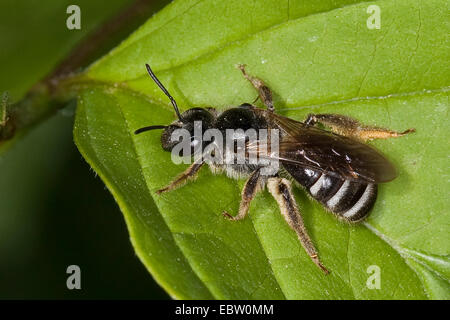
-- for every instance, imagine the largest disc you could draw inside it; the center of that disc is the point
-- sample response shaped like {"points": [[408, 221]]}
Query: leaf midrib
{"points": [[83, 82]]}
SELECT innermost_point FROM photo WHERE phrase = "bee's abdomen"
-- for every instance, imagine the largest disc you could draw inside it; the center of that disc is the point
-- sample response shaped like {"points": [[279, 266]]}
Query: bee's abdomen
{"points": [[348, 199]]}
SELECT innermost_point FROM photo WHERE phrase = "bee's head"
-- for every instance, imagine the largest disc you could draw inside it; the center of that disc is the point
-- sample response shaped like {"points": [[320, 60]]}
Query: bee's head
{"points": [[185, 121], [190, 117]]}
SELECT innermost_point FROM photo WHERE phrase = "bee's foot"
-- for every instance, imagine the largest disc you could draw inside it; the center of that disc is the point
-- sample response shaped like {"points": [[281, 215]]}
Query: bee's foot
{"points": [[410, 130], [316, 260], [158, 192], [241, 67], [228, 216]]}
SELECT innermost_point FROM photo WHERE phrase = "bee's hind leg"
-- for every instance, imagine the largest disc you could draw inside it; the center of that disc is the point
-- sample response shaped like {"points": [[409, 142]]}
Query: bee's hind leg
{"points": [[251, 187], [189, 173], [351, 127], [264, 92], [281, 190]]}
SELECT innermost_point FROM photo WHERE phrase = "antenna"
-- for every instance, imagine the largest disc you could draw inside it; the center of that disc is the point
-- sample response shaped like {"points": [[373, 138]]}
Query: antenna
{"points": [[160, 85], [140, 130]]}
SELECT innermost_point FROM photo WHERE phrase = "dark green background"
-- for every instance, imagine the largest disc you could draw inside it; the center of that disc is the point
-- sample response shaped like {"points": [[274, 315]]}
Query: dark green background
{"points": [[54, 211]]}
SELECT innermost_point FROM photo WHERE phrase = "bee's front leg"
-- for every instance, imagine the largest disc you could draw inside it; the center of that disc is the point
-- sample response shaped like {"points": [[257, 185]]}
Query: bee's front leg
{"points": [[189, 173], [251, 187], [264, 92], [282, 192], [351, 127]]}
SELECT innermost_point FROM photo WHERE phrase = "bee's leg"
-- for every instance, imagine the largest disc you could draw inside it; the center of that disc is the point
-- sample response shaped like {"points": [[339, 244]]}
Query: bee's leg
{"points": [[264, 92], [182, 178], [251, 187], [282, 192], [351, 127]]}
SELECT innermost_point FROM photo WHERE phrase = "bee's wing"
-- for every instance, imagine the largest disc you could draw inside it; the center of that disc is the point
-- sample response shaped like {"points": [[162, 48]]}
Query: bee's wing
{"points": [[314, 148]]}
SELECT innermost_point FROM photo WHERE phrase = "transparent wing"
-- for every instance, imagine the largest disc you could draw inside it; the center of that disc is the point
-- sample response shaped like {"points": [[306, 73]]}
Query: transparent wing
{"points": [[314, 148]]}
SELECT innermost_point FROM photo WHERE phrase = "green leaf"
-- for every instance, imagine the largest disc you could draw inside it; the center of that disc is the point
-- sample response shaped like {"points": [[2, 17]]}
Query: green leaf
{"points": [[317, 57]]}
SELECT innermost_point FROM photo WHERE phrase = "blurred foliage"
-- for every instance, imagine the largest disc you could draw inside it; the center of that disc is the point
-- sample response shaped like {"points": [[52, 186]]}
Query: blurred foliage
{"points": [[54, 212]]}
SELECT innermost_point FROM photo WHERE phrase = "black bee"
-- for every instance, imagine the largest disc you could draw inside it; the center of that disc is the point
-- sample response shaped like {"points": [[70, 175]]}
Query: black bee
{"points": [[336, 168]]}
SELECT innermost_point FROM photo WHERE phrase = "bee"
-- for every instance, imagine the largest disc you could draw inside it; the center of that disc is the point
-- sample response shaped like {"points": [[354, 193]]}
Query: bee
{"points": [[335, 166]]}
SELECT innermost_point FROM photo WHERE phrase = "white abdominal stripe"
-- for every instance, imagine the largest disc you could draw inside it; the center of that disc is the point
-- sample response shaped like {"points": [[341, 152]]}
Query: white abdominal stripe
{"points": [[350, 200], [363, 205]]}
